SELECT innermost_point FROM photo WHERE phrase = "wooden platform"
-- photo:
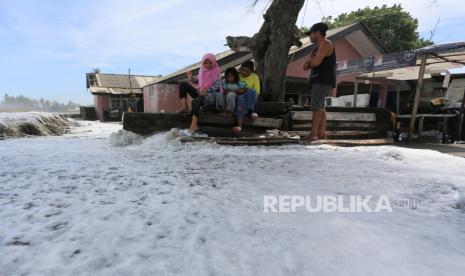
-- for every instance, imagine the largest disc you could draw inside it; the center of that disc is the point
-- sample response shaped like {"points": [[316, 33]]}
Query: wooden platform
{"points": [[213, 124], [276, 141], [343, 123]]}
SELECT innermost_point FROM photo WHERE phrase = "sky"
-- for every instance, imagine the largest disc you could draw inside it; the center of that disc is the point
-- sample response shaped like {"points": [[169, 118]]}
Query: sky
{"points": [[47, 46]]}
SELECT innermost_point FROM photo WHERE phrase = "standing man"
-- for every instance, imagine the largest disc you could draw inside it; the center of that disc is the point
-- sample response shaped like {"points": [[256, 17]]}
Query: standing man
{"points": [[322, 78]]}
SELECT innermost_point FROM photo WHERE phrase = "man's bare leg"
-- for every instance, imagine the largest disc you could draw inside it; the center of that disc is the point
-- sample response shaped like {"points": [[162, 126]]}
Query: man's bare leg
{"points": [[322, 129], [316, 122]]}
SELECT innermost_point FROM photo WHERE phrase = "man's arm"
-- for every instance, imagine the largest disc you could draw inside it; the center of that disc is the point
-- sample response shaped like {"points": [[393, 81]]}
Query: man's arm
{"points": [[308, 64], [323, 50]]}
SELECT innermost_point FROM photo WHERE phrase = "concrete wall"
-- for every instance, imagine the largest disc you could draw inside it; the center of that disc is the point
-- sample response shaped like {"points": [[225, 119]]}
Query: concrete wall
{"points": [[102, 103], [162, 98]]}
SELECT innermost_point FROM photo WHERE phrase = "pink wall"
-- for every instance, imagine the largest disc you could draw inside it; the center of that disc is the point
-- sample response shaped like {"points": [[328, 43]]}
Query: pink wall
{"points": [[162, 98], [102, 103], [344, 51]]}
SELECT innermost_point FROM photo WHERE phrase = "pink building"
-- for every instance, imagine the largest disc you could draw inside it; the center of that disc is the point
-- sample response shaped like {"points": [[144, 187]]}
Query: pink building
{"points": [[115, 94]]}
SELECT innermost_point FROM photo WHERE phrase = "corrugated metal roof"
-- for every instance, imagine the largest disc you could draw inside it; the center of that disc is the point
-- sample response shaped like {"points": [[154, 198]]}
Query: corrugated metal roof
{"points": [[441, 58], [307, 43], [195, 66], [122, 81], [119, 84], [114, 91]]}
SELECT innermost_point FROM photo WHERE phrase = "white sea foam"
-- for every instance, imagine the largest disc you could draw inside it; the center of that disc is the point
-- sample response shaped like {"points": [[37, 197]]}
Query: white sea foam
{"points": [[32, 124]]}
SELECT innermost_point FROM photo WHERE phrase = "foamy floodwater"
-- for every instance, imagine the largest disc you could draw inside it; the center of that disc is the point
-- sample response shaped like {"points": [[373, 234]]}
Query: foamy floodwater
{"points": [[101, 201]]}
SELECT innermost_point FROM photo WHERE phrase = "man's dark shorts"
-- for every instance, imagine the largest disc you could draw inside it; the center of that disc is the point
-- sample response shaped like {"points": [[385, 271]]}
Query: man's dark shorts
{"points": [[318, 96]]}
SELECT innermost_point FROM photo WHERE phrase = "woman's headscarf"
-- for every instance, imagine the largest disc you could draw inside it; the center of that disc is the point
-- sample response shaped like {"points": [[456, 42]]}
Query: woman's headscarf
{"points": [[207, 78]]}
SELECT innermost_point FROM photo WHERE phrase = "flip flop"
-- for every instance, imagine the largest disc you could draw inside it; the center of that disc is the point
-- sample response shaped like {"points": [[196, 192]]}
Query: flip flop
{"points": [[186, 132], [199, 133]]}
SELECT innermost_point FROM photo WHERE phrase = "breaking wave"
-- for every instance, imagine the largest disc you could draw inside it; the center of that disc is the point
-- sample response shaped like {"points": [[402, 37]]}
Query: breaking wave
{"points": [[123, 138], [32, 124], [170, 140]]}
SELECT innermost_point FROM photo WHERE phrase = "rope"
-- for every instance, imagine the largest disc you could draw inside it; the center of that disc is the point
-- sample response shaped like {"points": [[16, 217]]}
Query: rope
{"points": [[305, 13]]}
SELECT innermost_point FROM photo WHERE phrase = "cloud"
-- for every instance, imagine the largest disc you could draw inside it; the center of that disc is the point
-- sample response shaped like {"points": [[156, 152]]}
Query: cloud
{"points": [[171, 33], [167, 32], [42, 39]]}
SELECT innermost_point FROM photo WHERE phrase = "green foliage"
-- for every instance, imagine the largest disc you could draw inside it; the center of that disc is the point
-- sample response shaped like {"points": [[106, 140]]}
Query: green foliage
{"points": [[393, 26], [26, 104]]}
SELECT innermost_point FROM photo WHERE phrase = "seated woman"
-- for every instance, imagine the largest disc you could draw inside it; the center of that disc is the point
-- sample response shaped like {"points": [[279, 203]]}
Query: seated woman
{"points": [[210, 86], [239, 99], [188, 87]]}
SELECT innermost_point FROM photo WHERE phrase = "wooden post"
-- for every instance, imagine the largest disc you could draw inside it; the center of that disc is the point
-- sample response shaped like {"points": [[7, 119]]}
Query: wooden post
{"points": [[398, 99], [462, 109], [370, 92], [355, 94], [416, 101]]}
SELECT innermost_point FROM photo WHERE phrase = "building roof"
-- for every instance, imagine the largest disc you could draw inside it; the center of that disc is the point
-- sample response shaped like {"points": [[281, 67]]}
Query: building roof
{"points": [[440, 58], [118, 84], [225, 59], [357, 34]]}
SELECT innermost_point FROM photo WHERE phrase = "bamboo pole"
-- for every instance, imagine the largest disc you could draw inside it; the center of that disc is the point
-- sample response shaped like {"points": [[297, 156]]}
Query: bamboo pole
{"points": [[416, 101]]}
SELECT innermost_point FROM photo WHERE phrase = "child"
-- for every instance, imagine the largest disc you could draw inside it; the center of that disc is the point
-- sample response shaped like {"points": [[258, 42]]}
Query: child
{"points": [[239, 98], [249, 77], [232, 87]]}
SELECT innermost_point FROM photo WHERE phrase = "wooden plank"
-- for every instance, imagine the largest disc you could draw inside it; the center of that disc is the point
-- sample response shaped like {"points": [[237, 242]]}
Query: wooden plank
{"points": [[352, 143], [428, 116], [282, 141], [216, 119], [252, 141], [308, 125], [334, 133], [335, 116]]}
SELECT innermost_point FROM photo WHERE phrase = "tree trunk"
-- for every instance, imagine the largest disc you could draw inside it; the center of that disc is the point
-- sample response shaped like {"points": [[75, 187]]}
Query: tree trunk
{"points": [[270, 46]]}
